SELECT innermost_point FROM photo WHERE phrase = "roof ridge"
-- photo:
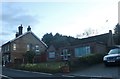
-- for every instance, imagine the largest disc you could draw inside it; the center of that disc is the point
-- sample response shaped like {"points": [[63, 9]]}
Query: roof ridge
{"points": [[25, 34], [20, 36], [39, 39], [95, 36]]}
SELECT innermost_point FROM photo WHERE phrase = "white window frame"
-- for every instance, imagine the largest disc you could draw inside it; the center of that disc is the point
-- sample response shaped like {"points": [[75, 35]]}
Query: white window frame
{"points": [[65, 54], [37, 48], [28, 47], [82, 51], [51, 55], [14, 46]]}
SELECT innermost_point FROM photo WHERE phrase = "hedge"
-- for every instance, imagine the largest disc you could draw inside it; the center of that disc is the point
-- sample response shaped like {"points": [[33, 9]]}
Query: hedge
{"points": [[91, 59], [88, 60], [51, 67]]}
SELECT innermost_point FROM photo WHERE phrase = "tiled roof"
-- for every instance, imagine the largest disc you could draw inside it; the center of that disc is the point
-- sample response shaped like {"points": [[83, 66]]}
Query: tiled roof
{"points": [[103, 38], [24, 35]]}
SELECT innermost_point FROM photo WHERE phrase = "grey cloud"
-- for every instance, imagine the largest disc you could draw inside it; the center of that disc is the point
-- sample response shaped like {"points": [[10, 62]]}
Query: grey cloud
{"points": [[4, 33], [13, 15], [21, 19]]}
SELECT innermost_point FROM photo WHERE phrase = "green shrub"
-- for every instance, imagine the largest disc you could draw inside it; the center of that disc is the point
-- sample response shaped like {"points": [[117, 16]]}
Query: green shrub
{"points": [[91, 59], [51, 67], [87, 60]]}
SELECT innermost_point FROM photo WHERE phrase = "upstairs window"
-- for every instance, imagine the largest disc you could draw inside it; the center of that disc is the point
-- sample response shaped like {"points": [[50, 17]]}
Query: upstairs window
{"points": [[5, 48], [14, 46], [8, 48], [28, 47], [37, 48]]}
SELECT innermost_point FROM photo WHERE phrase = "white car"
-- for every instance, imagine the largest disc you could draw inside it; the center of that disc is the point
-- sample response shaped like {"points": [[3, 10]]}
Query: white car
{"points": [[113, 57]]}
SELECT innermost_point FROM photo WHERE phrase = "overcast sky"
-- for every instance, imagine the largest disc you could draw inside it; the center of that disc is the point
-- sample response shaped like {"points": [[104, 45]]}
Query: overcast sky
{"points": [[65, 17]]}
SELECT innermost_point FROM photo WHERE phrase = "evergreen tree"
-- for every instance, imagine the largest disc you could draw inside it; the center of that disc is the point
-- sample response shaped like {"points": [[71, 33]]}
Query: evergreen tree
{"points": [[59, 40], [30, 56], [117, 34], [47, 38]]}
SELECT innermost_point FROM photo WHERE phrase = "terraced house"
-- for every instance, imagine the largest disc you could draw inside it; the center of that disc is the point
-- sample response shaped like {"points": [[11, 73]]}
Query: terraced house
{"points": [[14, 50]]}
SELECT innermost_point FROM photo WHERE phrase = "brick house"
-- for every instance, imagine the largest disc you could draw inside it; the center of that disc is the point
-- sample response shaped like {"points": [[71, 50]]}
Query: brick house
{"points": [[14, 50], [53, 53], [94, 44], [76, 51]]}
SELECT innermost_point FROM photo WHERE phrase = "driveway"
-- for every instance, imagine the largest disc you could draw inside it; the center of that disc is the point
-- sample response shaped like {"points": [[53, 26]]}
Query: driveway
{"points": [[99, 71]]}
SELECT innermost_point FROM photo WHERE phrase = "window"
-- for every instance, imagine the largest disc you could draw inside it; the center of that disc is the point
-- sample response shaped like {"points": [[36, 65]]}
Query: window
{"points": [[7, 58], [65, 54], [82, 51], [51, 54], [37, 48], [8, 48], [114, 51], [14, 46], [28, 47], [61, 53], [65, 51], [5, 48]]}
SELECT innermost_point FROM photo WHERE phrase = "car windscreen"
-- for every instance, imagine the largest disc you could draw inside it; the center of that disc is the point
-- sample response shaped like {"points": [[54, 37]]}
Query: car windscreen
{"points": [[114, 51]]}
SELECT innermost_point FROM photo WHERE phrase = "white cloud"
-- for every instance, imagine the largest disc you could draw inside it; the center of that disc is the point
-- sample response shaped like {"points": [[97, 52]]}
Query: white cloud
{"points": [[71, 22]]}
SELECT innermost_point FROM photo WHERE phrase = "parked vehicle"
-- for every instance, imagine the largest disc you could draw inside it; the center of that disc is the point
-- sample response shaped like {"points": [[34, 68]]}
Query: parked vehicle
{"points": [[113, 57]]}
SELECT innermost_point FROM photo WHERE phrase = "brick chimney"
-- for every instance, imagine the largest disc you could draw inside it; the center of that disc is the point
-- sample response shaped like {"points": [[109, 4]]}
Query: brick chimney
{"points": [[110, 39], [29, 28], [17, 34], [20, 28]]}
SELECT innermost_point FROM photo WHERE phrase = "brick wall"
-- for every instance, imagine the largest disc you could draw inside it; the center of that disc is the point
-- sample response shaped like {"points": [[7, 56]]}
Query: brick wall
{"points": [[21, 46]]}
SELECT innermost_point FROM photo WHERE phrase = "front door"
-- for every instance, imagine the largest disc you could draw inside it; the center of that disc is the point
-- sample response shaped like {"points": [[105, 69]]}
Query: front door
{"points": [[5, 59], [65, 57], [65, 54]]}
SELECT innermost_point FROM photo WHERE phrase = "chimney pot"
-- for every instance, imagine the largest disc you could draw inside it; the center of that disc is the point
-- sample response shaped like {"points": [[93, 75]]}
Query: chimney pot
{"points": [[20, 28], [110, 31], [17, 34], [29, 28]]}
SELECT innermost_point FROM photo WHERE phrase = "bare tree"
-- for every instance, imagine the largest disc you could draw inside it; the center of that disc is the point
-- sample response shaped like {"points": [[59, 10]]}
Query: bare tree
{"points": [[87, 32]]}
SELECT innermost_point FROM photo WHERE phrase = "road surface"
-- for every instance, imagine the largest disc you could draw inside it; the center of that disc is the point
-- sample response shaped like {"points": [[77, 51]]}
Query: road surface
{"points": [[99, 71], [12, 73], [95, 72]]}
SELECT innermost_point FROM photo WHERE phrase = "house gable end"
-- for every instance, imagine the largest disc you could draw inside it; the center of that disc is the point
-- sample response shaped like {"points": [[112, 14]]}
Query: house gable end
{"points": [[26, 35], [51, 48]]}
